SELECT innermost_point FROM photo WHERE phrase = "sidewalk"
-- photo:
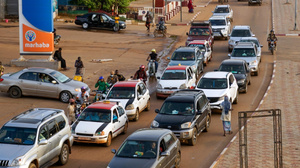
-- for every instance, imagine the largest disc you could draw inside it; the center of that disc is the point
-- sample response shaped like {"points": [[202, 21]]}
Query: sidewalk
{"points": [[284, 94]]}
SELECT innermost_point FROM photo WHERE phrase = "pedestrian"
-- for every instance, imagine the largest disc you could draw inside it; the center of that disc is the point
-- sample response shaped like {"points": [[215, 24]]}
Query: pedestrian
{"points": [[117, 18], [71, 111], [148, 20], [112, 78], [226, 115], [120, 76], [58, 57], [1, 69], [191, 7], [79, 65]]}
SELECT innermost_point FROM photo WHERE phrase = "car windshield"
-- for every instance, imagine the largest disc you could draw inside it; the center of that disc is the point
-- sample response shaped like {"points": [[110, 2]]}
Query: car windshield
{"points": [[221, 10], [95, 115], [16, 135], [138, 149], [212, 83], [183, 56], [218, 22], [199, 31], [243, 52], [60, 77], [174, 75], [200, 46], [253, 41], [121, 93], [240, 33], [177, 108], [235, 69]]}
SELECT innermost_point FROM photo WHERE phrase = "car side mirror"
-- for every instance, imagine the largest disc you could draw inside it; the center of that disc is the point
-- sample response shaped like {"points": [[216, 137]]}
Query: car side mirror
{"points": [[229, 55], [216, 70], [43, 142], [187, 33], [113, 151], [156, 110], [261, 46], [158, 77], [115, 120], [229, 35], [54, 82], [199, 113], [167, 153], [140, 96], [168, 58], [253, 35]]}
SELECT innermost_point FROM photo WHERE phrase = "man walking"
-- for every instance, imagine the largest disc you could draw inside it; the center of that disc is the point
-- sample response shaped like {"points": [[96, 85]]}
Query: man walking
{"points": [[57, 56]]}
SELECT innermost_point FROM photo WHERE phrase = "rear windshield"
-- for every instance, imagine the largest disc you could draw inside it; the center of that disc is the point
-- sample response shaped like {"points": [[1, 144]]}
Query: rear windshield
{"points": [[222, 10], [174, 75], [218, 22], [199, 31], [121, 93], [240, 33], [183, 56], [243, 52], [235, 69], [211, 83]]}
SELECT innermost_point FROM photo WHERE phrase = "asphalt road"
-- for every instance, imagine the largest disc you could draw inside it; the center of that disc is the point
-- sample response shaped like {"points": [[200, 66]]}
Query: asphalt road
{"points": [[210, 144]]}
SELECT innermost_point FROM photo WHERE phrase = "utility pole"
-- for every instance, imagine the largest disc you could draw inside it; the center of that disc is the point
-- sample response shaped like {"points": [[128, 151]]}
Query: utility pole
{"points": [[295, 28]]}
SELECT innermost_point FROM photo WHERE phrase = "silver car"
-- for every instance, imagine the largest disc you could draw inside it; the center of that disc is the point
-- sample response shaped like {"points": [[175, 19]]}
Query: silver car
{"points": [[41, 82]]}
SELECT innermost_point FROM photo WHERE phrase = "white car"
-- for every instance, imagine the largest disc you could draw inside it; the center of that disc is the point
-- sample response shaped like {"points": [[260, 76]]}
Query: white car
{"points": [[255, 41], [100, 122], [237, 33], [205, 49], [175, 78], [216, 85], [223, 10], [133, 95], [220, 26]]}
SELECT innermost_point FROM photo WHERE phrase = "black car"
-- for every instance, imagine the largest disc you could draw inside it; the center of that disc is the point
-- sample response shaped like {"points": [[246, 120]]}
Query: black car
{"points": [[100, 20], [240, 70], [186, 113]]}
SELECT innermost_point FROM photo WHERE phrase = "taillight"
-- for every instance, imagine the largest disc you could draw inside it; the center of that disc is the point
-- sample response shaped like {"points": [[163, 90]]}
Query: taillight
{"points": [[1, 79]]}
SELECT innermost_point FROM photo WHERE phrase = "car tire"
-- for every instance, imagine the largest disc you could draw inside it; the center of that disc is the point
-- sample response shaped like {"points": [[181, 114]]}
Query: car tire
{"points": [[115, 29], [257, 72], [246, 88], [148, 105], [177, 160], [15, 92], [207, 123], [249, 83], [85, 25], [64, 154], [125, 128], [193, 140], [229, 50], [65, 96], [108, 142], [32, 165], [202, 68], [137, 115], [236, 99]]}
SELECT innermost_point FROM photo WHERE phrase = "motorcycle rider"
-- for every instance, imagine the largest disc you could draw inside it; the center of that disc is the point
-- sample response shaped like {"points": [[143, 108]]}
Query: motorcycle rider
{"points": [[272, 37], [141, 74], [101, 84], [83, 96], [112, 78], [161, 24], [153, 56]]}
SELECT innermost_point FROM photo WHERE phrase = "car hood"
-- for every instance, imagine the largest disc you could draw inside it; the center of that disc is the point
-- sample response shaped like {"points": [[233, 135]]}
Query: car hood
{"points": [[172, 119], [239, 76], [187, 63], [171, 83], [247, 59], [12, 151], [221, 14], [117, 162], [88, 127], [214, 92]]}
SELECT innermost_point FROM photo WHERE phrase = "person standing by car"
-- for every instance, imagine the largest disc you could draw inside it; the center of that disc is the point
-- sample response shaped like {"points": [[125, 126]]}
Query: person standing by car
{"points": [[153, 56], [226, 115], [79, 66], [71, 111], [120, 76], [117, 18], [1, 69], [58, 57], [148, 21]]}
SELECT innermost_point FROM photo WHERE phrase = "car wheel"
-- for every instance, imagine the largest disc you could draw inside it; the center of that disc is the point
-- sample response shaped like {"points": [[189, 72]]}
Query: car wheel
{"points": [[177, 160], [246, 88], [249, 83], [65, 96], [248, 4], [236, 99], [137, 115], [155, 33], [207, 123], [193, 140], [259, 4], [257, 72], [32, 165], [229, 50], [125, 128], [108, 142], [85, 25], [226, 38], [148, 105], [115, 29], [202, 67], [15, 92], [64, 154]]}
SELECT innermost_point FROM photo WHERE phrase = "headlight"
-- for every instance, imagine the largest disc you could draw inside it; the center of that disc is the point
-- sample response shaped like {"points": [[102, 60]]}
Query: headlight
{"points": [[18, 161], [183, 86], [241, 81], [154, 124], [186, 125], [221, 98], [77, 89], [253, 62], [130, 107], [100, 133], [223, 31], [158, 86]]}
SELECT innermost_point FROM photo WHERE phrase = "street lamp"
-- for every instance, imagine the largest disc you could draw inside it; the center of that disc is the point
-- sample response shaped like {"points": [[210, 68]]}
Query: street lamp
{"points": [[295, 28]]}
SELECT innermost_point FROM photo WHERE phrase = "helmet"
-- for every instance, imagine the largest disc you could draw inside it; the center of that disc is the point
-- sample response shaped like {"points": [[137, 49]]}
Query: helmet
{"points": [[142, 67], [153, 50], [101, 77], [83, 88], [161, 19]]}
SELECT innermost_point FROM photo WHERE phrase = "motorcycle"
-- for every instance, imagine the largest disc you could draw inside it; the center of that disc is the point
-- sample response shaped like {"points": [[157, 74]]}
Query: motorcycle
{"points": [[151, 68], [99, 95], [56, 39], [159, 30], [272, 47], [80, 107]]}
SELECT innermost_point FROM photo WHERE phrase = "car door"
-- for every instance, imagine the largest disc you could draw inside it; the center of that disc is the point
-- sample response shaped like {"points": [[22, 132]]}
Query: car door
{"points": [[116, 122], [54, 139], [47, 86], [122, 116], [143, 97], [105, 21], [199, 59], [247, 70], [43, 150], [95, 20], [169, 145], [208, 51], [28, 83], [191, 78], [232, 87]]}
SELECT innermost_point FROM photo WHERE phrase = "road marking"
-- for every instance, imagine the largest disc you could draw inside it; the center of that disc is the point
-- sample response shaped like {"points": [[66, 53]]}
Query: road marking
{"points": [[260, 88]]}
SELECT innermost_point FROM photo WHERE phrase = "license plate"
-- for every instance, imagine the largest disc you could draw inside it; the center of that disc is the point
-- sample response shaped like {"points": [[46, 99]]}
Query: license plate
{"points": [[169, 92], [84, 138], [217, 34]]}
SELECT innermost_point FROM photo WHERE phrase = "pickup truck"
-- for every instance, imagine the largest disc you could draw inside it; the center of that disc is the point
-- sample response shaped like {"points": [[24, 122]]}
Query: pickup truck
{"points": [[200, 30]]}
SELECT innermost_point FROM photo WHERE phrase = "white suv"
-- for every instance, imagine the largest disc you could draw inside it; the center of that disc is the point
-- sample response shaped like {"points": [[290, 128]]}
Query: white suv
{"points": [[218, 84], [237, 33], [220, 26], [35, 138]]}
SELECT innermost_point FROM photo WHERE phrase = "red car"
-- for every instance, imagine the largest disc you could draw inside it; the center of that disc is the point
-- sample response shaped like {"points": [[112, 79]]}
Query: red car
{"points": [[200, 30]]}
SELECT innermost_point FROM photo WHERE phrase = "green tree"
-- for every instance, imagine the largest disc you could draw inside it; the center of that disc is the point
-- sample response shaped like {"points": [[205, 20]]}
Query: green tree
{"points": [[106, 5]]}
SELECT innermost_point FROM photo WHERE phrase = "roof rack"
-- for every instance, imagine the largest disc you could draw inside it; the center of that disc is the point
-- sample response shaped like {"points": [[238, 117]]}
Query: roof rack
{"points": [[201, 23], [25, 112], [56, 111], [188, 90]]}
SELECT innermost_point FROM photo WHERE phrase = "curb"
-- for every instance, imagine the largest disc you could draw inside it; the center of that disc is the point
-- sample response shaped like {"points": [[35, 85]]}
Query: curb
{"points": [[287, 34]]}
